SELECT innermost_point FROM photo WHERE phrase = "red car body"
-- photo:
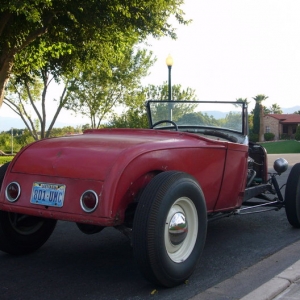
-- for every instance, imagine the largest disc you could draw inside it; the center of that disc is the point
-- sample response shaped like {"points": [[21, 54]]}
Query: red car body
{"points": [[159, 187], [117, 163]]}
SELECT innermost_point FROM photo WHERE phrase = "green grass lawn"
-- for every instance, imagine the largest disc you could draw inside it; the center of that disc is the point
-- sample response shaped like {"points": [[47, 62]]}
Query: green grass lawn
{"points": [[5, 159], [282, 147]]}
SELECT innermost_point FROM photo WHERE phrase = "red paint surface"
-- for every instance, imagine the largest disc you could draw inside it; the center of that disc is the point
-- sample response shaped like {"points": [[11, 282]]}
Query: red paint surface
{"points": [[117, 163]]}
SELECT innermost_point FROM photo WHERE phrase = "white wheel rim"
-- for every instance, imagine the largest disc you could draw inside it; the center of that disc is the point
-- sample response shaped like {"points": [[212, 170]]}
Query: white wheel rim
{"points": [[181, 229]]}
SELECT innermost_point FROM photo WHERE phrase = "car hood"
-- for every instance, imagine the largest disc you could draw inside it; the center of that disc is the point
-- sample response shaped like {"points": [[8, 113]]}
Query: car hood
{"points": [[92, 155]]}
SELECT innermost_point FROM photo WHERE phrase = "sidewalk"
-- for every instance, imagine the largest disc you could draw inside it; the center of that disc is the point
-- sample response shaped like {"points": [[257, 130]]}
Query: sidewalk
{"points": [[285, 285], [275, 277]]}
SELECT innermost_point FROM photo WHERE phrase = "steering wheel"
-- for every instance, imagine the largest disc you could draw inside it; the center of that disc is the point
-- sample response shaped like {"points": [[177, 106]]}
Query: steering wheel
{"points": [[165, 121]]}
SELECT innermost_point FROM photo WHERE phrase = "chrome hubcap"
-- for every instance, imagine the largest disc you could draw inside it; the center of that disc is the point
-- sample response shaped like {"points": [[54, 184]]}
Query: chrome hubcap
{"points": [[178, 228], [181, 229]]}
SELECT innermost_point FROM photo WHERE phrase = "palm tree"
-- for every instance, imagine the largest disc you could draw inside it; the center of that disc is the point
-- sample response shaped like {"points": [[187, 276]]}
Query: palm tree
{"points": [[258, 116], [275, 109], [259, 98]]}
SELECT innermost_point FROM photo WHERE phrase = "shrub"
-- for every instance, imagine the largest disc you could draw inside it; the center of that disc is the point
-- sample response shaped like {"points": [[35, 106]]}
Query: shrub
{"points": [[269, 136], [253, 137], [297, 135], [284, 136]]}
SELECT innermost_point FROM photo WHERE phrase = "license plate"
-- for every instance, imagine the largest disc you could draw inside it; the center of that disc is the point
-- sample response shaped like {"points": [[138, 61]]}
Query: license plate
{"points": [[48, 194]]}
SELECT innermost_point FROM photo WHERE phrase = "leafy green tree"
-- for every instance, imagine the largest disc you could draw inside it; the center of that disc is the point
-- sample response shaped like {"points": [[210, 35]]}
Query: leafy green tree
{"points": [[67, 130], [27, 98], [24, 138], [5, 142], [95, 93], [132, 118], [197, 118], [9, 143], [161, 93], [245, 100], [233, 120], [297, 112], [31, 30], [250, 122], [134, 114], [85, 127]]}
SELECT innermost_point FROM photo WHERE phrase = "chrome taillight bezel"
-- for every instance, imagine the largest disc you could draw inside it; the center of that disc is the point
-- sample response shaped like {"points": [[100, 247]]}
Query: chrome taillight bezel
{"points": [[8, 196], [83, 205]]}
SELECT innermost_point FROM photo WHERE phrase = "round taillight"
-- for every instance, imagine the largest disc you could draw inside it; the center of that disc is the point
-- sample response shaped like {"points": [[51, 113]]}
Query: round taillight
{"points": [[13, 192], [89, 201]]}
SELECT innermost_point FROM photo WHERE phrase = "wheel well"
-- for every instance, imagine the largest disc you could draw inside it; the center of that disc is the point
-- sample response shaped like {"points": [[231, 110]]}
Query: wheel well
{"points": [[133, 195]]}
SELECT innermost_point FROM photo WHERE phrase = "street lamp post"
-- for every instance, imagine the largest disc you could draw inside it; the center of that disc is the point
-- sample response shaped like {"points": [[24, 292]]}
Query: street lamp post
{"points": [[12, 141], [169, 62]]}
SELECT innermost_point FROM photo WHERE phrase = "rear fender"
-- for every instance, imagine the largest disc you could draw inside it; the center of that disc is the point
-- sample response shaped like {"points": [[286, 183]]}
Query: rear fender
{"points": [[130, 199]]}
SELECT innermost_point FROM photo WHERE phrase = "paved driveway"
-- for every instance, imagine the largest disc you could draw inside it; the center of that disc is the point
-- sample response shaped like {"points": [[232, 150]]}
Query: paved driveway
{"points": [[291, 158]]}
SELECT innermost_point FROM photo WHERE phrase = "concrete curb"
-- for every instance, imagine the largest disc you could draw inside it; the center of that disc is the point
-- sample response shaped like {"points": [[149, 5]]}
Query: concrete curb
{"points": [[277, 285]]}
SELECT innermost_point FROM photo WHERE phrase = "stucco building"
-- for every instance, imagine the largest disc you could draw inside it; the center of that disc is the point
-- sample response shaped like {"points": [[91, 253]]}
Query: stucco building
{"points": [[281, 125]]}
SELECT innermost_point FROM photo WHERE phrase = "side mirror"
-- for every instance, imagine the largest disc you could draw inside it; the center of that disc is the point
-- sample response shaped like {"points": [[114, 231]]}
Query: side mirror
{"points": [[280, 165]]}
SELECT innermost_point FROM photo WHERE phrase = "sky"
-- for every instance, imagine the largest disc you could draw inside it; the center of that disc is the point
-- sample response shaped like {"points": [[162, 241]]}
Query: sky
{"points": [[232, 49]]}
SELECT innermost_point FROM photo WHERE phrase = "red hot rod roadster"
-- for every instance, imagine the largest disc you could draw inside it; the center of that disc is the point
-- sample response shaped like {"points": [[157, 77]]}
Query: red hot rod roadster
{"points": [[159, 186]]}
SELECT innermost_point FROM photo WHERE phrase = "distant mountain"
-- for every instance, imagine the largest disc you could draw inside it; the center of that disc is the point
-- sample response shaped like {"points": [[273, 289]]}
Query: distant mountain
{"points": [[6, 123], [291, 110], [220, 114], [216, 114]]}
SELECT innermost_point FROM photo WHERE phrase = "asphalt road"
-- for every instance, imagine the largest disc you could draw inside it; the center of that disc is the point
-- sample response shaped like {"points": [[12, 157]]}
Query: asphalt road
{"points": [[72, 265]]}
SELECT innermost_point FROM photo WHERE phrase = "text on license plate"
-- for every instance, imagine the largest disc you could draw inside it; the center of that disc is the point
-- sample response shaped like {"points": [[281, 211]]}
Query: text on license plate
{"points": [[48, 194]]}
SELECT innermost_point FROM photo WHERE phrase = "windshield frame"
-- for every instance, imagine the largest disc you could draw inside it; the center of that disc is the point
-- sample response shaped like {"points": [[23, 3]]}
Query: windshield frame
{"points": [[201, 128]]}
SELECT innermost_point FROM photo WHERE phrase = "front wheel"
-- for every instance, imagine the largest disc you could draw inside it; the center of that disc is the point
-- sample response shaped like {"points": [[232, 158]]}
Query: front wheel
{"points": [[169, 228], [292, 196], [22, 234]]}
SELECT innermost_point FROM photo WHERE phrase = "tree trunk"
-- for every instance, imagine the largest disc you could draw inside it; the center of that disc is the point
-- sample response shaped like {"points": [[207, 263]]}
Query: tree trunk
{"points": [[5, 69]]}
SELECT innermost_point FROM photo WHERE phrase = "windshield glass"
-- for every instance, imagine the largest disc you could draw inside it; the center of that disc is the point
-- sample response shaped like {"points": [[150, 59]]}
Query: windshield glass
{"points": [[198, 114]]}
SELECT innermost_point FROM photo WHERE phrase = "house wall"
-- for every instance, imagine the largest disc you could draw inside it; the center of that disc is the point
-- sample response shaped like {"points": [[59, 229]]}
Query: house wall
{"points": [[292, 130], [275, 126]]}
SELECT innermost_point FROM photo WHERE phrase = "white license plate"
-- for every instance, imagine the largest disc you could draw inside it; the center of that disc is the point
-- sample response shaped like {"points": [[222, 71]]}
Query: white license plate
{"points": [[48, 194]]}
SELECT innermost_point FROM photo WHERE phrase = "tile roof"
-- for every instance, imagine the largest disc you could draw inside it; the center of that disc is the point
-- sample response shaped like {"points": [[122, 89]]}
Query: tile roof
{"points": [[286, 118]]}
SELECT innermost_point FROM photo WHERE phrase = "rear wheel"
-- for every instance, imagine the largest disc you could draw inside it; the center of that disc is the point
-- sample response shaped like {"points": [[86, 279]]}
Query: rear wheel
{"points": [[292, 196], [169, 228], [21, 234]]}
